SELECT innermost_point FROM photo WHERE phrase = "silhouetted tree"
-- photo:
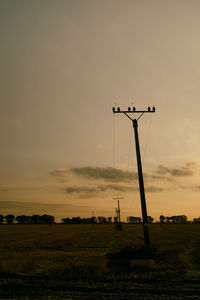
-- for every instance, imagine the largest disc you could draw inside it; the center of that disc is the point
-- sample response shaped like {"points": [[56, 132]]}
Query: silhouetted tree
{"points": [[1, 219], [24, 219], [101, 220], [47, 219], [36, 219], [109, 220], [76, 220], [9, 219], [115, 220], [21, 219], [66, 220], [179, 219], [150, 219], [93, 220], [133, 220], [174, 219], [162, 219], [196, 220]]}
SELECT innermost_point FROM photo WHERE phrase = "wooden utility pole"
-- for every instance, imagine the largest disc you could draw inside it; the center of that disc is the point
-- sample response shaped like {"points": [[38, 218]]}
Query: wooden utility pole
{"points": [[119, 225], [139, 165]]}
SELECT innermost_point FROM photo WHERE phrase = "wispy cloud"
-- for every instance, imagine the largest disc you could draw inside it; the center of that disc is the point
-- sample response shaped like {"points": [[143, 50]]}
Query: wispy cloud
{"points": [[99, 189], [186, 170], [60, 172], [94, 190], [154, 189], [34, 205], [102, 180], [108, 174]]}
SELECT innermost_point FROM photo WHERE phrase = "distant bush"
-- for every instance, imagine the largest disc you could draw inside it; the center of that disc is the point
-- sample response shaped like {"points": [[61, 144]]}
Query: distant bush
{"points": [[127, 258]]}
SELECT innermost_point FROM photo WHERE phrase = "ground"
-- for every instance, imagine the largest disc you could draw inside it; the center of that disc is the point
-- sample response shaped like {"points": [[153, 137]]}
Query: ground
{"points": [[74, 262]]}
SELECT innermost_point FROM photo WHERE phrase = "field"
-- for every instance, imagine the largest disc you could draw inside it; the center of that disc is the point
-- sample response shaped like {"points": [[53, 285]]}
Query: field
{"points": [[76, 262]]}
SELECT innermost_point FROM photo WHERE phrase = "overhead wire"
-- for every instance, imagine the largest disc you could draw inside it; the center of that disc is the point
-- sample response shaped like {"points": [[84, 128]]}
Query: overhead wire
{"points": [[130, 146], [147, 138], [114, 142]]}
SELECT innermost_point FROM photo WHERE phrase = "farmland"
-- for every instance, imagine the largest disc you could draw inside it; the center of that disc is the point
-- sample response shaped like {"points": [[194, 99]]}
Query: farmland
{"points": [[73, 262]]}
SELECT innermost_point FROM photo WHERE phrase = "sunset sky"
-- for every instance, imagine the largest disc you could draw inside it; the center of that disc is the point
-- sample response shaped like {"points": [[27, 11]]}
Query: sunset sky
{"points": [[64, 65]]}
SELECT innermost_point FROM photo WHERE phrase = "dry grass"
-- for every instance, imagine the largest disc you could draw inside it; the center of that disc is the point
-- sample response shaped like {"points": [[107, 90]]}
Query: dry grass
{"points": [[72, 262], [78, 251]]}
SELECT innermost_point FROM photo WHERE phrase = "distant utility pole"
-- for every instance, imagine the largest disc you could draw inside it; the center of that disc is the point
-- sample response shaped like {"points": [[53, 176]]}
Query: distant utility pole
{"points": [[118, 212], [139, 164]]}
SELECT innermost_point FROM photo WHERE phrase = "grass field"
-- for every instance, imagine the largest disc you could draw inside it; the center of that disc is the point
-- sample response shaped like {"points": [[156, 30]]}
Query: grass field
{"points": [[71, 262]]}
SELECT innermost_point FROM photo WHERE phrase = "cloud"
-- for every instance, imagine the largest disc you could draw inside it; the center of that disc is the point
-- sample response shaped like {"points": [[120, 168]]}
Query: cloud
{"points": [[154, 189], [186, 170], [80, 189], [59, 172], [191, 188], [98, 188], [94, 190], [109, 174]]}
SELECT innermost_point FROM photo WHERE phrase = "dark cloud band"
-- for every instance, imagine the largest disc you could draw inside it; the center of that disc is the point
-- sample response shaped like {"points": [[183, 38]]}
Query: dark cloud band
{"points": [[176, 172], [110, 174], [93, 190]]}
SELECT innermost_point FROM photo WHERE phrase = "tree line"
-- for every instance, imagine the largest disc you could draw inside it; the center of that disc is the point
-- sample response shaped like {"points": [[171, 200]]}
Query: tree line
{"points": [[92, 220], [48, 219], [22, 219], [174, 219]]}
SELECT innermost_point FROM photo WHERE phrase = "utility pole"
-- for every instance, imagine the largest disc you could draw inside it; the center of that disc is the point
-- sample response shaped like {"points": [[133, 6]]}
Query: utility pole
{"points": [[139, 165], [119, 226]]}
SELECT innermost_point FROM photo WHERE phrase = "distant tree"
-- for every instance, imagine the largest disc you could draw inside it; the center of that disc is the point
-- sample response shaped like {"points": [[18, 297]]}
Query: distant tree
{"points": [[102, 220], [196, 220], [109, 220], [9, 219], [87, 220], [21, 219], [93, 220], [115, 220], [162, 219], [36, 219], [63, 220], [24, 219], [47, 219], [150, 219], [130, 219], [1, 219], [182, 219], [66, 220], [76, 220], [133, 220]]}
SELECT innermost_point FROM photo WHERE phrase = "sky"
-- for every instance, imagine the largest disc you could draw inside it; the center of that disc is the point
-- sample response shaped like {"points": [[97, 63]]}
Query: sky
{"points": [[64, 65]]}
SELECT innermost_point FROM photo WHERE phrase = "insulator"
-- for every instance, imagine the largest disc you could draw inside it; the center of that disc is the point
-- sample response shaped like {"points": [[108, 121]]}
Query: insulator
{"points": [[149, 108], [133, 108], [113, 109], [129, 109], [118, 109]]}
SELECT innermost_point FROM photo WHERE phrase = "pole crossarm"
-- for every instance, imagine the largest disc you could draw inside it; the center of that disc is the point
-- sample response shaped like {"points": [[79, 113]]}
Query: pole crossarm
{"points": [[133, 110]]}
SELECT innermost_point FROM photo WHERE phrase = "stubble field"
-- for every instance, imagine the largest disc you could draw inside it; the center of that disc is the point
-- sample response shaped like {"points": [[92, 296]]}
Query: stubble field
{"points": [[76, 262]]}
